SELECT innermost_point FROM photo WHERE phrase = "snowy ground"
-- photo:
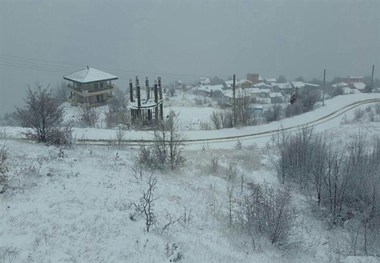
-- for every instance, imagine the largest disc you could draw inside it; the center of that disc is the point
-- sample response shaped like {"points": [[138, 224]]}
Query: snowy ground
{"points": [[75, 208]]}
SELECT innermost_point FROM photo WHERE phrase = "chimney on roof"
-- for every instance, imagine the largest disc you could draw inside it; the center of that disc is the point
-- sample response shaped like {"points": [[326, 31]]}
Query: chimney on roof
{"points": [[88, 67]]}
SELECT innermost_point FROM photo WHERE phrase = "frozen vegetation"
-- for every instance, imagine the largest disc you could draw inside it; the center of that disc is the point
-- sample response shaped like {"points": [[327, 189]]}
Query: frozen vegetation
{"points": [[227, 202]]}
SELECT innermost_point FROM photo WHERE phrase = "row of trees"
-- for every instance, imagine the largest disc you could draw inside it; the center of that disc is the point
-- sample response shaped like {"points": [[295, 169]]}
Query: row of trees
{"points": [[344, 180]]}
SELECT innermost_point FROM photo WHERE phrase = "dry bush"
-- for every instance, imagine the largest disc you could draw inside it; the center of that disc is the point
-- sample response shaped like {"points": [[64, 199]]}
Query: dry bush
{"points": [[3, 170], [146, 203], [43, 114], [167, 149], [222, 119], [267, 212], [88, 116]]}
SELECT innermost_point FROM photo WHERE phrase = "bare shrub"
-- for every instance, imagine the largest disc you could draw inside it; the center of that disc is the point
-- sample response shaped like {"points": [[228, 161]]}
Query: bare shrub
{"points": [[214, 165], [146, 203], [42, 114], [294, 155], [167, 148], [88, 116], [377, 108], [358, 114], [267, 212], [205, 126], [3, 169], [215, 119], [274, 113], [345, 180], [61, 136], [222, 119], [294, 109]]}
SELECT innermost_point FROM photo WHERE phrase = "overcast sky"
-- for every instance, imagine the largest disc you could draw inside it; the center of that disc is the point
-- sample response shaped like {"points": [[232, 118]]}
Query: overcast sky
{"points": [[46, 39]]}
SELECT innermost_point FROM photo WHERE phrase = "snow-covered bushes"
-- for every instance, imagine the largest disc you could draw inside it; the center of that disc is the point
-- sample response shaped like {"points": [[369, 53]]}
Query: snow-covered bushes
{"points": [[274, 113], [3, 169], [267, 212], [88, 116], [222, 119], [344, 180], [167, 148], [43, 115]]}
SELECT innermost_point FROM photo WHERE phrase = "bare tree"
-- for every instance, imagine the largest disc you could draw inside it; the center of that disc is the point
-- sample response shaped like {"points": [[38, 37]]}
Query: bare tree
{"points": [[146, 203], [42, 114], [167, 149]]}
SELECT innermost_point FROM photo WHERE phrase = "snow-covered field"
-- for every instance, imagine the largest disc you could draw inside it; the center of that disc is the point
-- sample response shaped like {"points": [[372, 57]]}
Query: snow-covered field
{"points": [[73, 205]]}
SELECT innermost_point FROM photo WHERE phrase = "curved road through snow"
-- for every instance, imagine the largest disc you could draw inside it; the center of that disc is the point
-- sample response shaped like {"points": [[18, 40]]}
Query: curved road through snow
{"points": [[323, 115], [267, 133]]}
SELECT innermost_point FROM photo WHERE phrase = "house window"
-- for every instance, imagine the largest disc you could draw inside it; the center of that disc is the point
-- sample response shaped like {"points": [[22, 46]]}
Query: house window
{"points": [[101, 85]]}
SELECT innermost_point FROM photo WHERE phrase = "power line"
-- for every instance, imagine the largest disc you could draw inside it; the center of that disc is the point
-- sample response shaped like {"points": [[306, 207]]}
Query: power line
{"points": [[62, 67]]}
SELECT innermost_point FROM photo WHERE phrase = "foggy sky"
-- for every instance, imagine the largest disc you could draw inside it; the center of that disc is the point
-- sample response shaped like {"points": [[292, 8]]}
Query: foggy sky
{"points": [[40, 41]]}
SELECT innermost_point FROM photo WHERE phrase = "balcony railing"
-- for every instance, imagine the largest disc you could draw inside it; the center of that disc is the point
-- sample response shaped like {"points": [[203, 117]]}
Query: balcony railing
{"points": [[90, 92]]}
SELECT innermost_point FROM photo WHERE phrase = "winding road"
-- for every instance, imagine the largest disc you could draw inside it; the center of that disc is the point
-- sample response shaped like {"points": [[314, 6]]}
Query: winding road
{"points": [[261, 134]]}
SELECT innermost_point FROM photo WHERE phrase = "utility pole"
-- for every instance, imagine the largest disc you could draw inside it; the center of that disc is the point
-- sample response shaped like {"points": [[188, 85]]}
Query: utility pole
{"points": [[234, 99], [160, 93], [324, 87], [156, 101], [372, 81], [133, 112]]}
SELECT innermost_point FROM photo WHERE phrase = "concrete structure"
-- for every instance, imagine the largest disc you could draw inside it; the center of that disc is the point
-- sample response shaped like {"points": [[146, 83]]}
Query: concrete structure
{"points": [[90, 86], [149, 110]]}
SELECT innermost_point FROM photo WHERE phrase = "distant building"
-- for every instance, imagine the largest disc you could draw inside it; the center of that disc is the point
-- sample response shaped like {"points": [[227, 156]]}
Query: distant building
{"points": [[90, 86], [253, 77], [244, 84], [354, 79], [205, 81]]}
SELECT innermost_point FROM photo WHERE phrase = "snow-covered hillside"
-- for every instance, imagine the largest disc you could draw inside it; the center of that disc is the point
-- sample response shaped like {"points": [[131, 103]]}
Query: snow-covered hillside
{"points": [[74, 204]]}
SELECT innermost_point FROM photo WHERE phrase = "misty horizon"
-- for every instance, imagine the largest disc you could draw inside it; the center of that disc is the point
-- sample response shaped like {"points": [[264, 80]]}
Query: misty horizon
{"points": [[41, 41]]}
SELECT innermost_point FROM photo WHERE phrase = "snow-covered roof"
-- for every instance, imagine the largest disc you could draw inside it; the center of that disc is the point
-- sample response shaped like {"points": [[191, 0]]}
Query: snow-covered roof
{"points": [[262, 85], [283, 85], [275, 94], [211, 88], [271, 80], [253, 90], [244, 81], [229, 83], [238, 93], [205, 81], [347, 90], [340, 85], [359, 85], [89, 74], [301, 84]]}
